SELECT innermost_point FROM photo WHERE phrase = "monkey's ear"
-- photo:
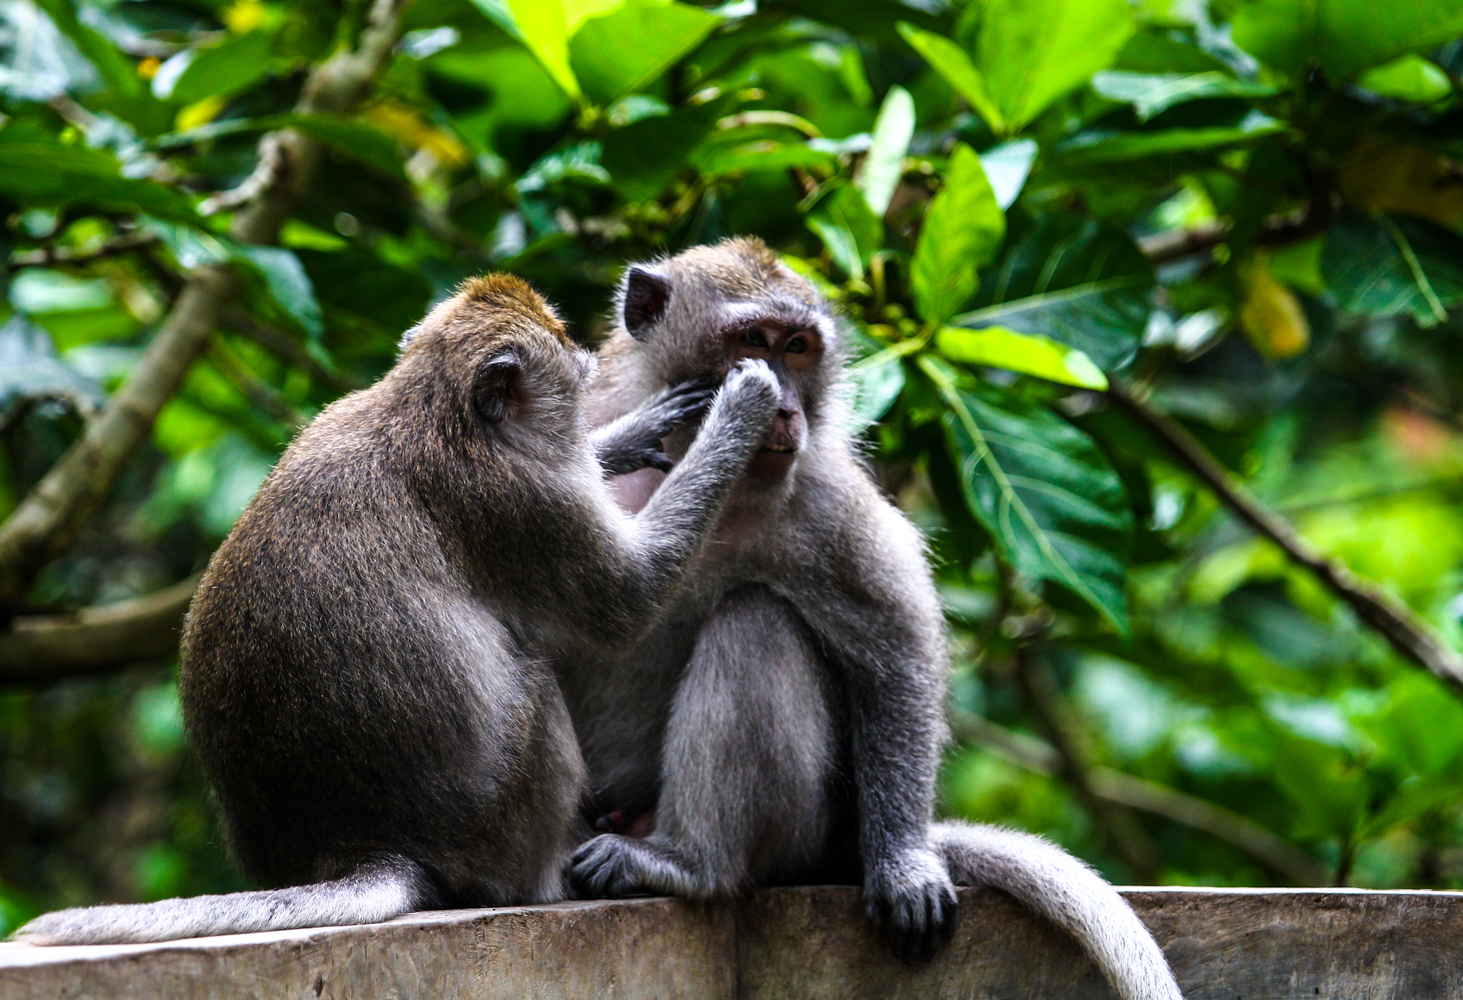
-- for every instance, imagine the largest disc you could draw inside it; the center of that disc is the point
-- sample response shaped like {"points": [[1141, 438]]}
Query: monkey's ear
{"points": [[647, 293], [497, 390]]}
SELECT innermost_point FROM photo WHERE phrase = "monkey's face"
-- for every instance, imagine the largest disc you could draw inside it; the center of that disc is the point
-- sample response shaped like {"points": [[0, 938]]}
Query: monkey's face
{"points": [[794, 351], [706, 309]]}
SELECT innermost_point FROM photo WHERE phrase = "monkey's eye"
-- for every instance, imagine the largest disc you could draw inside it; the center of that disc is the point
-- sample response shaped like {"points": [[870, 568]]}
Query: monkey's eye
{"points": [[797, 345], [754, 338]]}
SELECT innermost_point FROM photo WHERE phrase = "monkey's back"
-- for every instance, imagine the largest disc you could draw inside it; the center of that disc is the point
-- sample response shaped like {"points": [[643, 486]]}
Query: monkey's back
{"points": [[348, 694]]}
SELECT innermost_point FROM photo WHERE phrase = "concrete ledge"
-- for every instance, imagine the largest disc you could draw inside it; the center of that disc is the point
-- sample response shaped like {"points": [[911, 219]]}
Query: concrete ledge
{"points": [[799, 942]]}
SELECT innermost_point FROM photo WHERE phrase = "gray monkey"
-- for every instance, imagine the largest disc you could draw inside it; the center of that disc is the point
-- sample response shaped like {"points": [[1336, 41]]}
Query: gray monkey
{"points": [[364, 668], [784, 721]]}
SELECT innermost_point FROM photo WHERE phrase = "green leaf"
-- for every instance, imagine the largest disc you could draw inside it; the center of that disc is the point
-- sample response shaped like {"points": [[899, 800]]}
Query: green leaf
{"points": [[1031, 52], [1007, 167], [963, 227], [283, 275], [1343, 36], [345, 135], [35, 171], [850, 231], [883, 165], [1042, 489], [1385, 266], [951, 62], [1410, 78], [113, 66], [1073, 280], [544, 29], [1114, 147], [877, 382], [1153, 93], [288, 284], [662, 33], [730, 152], [239, 62], [998, 347], [643, 156]]}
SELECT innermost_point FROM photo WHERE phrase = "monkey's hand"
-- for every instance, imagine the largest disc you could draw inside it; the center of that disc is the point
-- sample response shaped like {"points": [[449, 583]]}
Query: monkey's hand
{"points": [[614, 865], [633, 441], [909, 895]]}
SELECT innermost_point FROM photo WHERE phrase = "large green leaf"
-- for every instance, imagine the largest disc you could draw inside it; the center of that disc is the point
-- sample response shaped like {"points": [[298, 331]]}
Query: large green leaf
{"points": [[1153, 93], [850, 231], [1074, 280], [288, 284], [544, 28], [357, 139], [234, 65], [114, 67], [1042, 489], [643, 156], [1343, 36], [998, 347], [1387, 266], [35, 170], [1031, 52], [963, 227], [658, 34], [876, 381], [883, 165], [952, 63], [1114, 147]]}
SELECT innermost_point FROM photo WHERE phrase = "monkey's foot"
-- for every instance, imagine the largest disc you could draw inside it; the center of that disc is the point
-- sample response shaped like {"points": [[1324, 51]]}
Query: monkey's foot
{"points": [[910, 896], [614, 865]]}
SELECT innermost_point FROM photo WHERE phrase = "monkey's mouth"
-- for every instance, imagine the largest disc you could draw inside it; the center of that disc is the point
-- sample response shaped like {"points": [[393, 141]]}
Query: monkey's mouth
{"points": [[781, 448]]}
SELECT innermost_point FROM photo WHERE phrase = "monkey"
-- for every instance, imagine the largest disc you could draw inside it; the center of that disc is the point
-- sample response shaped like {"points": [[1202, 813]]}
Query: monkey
{"points": [[364, 669], [783, 722]]}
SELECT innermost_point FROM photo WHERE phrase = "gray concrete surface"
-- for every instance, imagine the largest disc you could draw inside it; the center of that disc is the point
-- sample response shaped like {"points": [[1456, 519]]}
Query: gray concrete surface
{"points": [[802, 942]]}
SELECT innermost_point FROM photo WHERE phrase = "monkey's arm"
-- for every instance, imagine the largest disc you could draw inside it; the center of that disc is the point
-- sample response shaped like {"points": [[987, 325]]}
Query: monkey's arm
{"points": [[632, 442], [644, 556], [878, 615]]}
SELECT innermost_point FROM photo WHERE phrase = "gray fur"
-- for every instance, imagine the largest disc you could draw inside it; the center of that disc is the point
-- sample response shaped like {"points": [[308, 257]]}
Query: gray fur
{"points": [[784, 722], [364, 669], [1068, 893]]}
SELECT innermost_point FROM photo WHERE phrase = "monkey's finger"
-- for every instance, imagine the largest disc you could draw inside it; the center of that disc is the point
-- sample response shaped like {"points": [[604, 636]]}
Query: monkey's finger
{"points": [[949, 912], [660, 460]]}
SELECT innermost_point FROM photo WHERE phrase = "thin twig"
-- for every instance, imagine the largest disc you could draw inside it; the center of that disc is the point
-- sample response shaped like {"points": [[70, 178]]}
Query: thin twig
{"points": [[50, 256], [1039, 688], [1406, 631], [1278, 855], [48, 516], [44, 648]]}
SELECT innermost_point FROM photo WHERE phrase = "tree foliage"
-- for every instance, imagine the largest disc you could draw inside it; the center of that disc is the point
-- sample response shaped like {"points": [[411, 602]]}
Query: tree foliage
{"points": [[1127, 283]]}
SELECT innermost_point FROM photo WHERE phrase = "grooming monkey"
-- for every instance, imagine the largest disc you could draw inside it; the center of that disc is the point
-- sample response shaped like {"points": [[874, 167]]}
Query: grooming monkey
{"points": [[364, 668], [783, 722]]}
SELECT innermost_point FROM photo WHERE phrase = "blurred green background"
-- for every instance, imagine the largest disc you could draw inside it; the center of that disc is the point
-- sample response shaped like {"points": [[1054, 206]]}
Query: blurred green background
{"points": [[1241, 216]]}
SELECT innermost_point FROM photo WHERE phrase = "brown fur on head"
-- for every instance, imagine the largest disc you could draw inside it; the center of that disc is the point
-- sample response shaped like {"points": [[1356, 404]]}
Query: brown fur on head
{"points": [[496, 349]]}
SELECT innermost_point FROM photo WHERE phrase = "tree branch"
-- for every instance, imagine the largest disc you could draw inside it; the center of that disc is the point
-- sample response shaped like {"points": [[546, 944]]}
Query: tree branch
{"points": [[1406, 631], [1276, 854], [1039, 688], [44, 648], [47, 518]]}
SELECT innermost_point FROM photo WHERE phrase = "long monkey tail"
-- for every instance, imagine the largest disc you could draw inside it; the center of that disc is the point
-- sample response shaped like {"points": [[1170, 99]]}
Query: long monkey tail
{"points": [[1067, 892], [375, 890]]}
